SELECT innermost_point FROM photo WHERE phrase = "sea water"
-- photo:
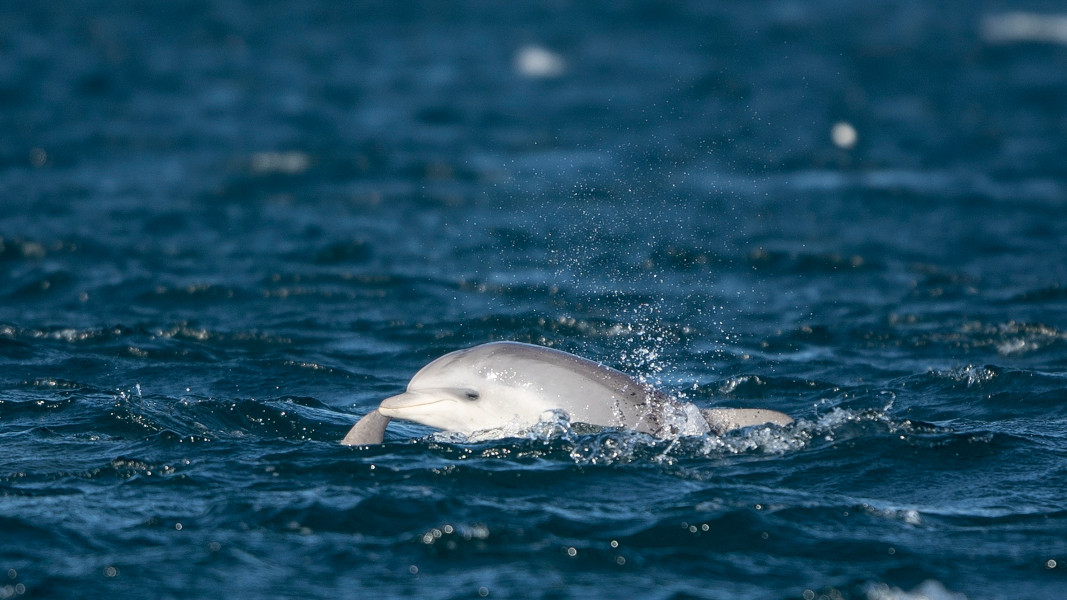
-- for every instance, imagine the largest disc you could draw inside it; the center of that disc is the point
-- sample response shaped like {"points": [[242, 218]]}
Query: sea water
{"points": [[229, 229]]}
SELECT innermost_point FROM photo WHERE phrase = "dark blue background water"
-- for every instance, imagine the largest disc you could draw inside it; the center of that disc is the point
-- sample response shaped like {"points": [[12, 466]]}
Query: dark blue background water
{"points": [[229, 229]]}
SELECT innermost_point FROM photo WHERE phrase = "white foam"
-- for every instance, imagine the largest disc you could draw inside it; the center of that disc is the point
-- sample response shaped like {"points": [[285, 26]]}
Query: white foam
{"points": [[288, 163], [927, 590], [1018, 27], [910, 516], [539, 62]]}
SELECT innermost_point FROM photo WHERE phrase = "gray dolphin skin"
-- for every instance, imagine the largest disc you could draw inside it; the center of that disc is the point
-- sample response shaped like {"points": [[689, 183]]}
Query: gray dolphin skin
{"points": [[509, 386]]}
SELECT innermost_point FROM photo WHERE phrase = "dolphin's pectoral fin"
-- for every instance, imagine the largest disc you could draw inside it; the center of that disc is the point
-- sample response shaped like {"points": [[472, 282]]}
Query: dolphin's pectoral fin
{"points": [[722, 420], [368, 430]]}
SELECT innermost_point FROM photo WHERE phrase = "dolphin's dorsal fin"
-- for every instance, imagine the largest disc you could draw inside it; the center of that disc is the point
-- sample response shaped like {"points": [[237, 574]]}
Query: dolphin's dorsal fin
{"points": [[368, 430], [722, 420]]}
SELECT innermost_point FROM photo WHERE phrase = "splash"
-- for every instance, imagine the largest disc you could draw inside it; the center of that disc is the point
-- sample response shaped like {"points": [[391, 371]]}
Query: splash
{"points": [[583, 444], [552, 425], [642, 330], [971, 375]]}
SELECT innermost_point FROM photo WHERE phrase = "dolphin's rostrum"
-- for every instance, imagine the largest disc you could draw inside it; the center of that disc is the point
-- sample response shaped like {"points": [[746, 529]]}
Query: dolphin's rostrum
{"points": [[510, 386]]}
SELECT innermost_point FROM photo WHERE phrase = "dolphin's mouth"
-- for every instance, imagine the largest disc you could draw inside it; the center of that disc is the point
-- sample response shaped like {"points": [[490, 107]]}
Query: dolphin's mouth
{"points": [[391, 405]]}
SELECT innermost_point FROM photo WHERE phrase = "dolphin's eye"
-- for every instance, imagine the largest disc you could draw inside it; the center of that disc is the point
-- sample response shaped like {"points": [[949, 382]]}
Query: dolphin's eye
{"points": [[471, 395]]}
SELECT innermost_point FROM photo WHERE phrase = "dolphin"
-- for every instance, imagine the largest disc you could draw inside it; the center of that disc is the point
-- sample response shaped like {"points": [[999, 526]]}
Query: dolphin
{"points": [[503, 387]]}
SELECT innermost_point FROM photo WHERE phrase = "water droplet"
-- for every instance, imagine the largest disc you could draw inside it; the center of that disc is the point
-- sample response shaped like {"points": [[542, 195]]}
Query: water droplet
{"points": [[844, 135]]}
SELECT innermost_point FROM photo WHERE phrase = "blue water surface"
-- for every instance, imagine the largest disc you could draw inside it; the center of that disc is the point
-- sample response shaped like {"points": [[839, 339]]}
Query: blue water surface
{"points": [[229, 229]]}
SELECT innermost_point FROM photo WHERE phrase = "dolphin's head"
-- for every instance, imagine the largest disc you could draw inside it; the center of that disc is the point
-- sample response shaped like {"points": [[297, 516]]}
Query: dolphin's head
{"points": [[467, 391], [464, 410]]}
